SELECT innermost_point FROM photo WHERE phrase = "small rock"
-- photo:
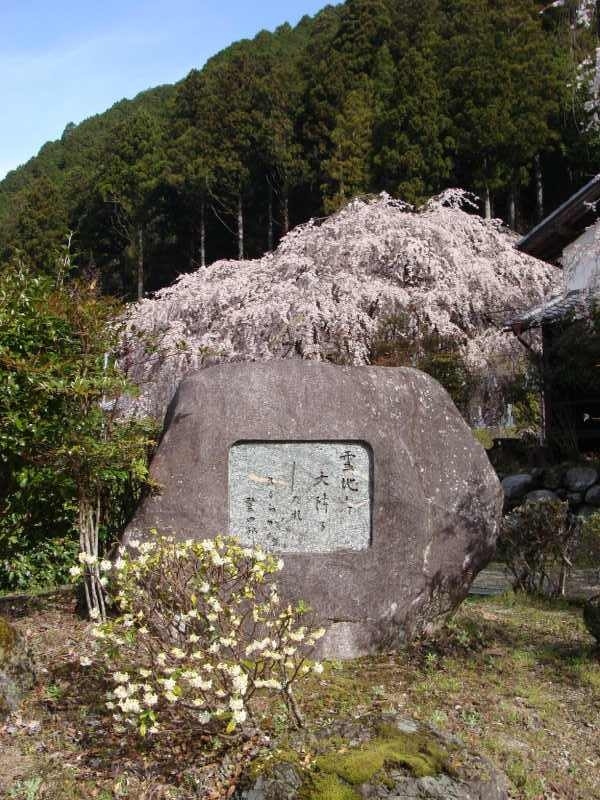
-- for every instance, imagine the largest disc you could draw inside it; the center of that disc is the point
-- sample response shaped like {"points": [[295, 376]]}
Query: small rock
{"points": [[409, 760], [407, 725], [579, 479], [575, 498], [33, 727], [592, 496], [591, 616], [516, 486], [282, 783], [16, 669], [552, 478], [539, 495]]}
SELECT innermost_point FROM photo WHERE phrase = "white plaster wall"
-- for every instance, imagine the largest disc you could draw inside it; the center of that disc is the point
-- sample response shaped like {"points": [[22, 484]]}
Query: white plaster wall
{"points": [[581, 261]]}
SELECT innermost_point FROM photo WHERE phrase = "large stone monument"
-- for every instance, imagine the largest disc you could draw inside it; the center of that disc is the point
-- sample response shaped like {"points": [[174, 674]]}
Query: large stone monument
{"points": [[366, 479]]}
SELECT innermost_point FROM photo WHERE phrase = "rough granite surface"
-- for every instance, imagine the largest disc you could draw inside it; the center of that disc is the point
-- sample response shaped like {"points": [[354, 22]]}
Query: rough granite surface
{"points": [[436, 501], [17, 673]]}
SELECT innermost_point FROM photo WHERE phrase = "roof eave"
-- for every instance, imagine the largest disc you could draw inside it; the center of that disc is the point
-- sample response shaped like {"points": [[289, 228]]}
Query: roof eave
{"points": [[547, 239]]}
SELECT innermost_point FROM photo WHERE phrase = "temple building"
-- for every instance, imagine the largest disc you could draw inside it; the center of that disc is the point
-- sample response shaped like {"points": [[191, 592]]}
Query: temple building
{"points": [[570, 322]]}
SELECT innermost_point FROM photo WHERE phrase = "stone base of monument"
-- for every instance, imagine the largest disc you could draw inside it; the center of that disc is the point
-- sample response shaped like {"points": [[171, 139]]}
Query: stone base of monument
{"points": [[366, 479], [379, 756]]}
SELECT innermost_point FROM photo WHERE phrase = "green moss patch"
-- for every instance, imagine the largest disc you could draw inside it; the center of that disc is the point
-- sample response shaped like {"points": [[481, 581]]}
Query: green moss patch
{"points": [[419, 753], [329, 787]]}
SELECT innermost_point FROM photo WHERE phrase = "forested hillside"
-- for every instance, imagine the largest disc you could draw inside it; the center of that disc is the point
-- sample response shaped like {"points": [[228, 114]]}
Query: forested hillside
{"points": [[370, 95]]}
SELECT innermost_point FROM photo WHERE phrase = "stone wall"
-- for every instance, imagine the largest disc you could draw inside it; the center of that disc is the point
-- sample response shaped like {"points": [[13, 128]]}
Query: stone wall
{"points": [[579, 485]]}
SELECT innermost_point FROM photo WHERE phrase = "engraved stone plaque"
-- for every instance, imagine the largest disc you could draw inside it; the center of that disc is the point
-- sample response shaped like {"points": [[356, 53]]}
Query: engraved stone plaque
{"points": [[301, 496]]}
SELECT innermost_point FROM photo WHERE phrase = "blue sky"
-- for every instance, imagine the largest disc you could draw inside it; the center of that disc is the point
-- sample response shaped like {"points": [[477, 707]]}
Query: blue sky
{"points": [[64, 60]]}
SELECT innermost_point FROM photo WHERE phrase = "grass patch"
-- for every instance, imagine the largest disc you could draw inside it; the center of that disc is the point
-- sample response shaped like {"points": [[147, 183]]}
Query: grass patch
{"points": [[484, 436]]}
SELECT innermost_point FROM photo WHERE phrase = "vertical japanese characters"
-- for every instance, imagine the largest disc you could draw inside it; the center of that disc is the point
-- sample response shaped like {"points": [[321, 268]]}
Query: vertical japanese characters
{"points": [[301, 496]]}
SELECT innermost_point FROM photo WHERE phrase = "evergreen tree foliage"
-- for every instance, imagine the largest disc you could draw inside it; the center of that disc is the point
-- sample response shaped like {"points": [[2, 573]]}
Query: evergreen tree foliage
{"points": [[66, 460], [130, 171], [38, 222], [348, 168], [495, 96], [413, 148]]}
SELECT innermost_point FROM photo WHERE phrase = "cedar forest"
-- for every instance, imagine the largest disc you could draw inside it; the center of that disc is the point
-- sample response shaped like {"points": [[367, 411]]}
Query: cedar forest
{"points": [[367, 96]]}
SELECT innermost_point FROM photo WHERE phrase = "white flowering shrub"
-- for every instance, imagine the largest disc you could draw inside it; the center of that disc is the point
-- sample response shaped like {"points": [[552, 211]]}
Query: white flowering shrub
{"points": [[200, 631]]}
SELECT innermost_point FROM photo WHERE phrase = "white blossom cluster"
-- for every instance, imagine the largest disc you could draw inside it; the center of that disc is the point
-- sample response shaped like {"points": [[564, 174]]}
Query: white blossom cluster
{"points": [[324, 292], [588, 77], [201, 629], [584, 13]]}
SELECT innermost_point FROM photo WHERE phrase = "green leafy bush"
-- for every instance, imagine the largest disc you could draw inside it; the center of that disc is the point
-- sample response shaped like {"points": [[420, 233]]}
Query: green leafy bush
{"points": [[200, 631], [537, 541], [587, 553], [69, 466], [524, 394], [43, 564]]}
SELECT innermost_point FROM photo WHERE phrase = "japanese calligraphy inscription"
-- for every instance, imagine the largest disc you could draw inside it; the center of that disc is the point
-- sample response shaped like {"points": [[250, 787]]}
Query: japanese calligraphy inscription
{"points": [[301, 496]]}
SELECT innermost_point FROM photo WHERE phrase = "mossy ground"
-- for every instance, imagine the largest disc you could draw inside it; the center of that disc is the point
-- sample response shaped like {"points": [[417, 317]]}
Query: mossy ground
{"points": [[337, 773], [332, 768], [517, 680]]}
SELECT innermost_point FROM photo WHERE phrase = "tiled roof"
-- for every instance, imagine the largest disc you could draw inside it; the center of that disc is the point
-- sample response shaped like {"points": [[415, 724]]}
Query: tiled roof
{"points": [[548, 239], [573, 305]]}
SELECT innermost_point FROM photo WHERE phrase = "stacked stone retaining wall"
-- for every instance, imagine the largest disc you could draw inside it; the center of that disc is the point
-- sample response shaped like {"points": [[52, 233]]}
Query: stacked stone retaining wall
{"points": [[579, 485]]}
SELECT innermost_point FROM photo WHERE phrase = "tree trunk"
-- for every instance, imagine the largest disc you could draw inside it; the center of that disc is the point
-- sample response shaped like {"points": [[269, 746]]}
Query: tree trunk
{"points": [[270, 240], [240, 227], [140, 264], [192, 258], [562, 581], [203, 233], [539, 189], [286, 213], [89, 525], [512, 208], [487, 202]]}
